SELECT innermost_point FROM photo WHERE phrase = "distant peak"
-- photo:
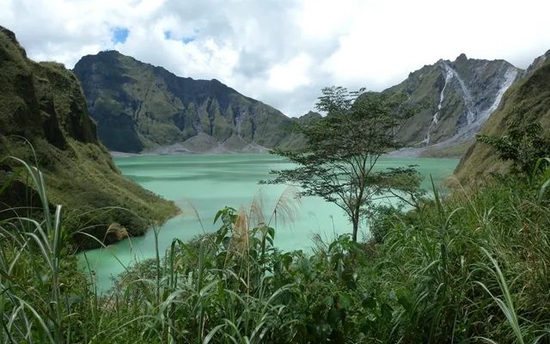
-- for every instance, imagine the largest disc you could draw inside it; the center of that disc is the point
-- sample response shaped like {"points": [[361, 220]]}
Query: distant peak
{"points": [[109, 52], [461, 57]]}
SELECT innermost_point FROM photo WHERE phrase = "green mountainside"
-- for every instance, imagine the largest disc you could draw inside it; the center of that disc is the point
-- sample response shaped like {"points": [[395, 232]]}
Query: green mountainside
{"points": [[44, 121], [141, 107], [456, 99], [527, 101]]}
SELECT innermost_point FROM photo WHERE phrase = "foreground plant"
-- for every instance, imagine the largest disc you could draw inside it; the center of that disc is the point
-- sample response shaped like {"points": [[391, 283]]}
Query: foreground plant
{"points": [[35, 298], [471, 267]]}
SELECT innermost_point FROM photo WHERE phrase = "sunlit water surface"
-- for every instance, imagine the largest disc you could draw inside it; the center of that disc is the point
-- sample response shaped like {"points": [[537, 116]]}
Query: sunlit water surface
{"points": [[203, 184]]}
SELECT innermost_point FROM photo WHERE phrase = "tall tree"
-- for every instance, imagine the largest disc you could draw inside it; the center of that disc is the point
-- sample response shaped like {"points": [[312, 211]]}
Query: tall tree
{"points": [[343, 148]]}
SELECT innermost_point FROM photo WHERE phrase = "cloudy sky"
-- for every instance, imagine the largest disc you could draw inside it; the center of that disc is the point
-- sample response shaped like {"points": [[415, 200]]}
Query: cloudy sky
{"points": [[283, 52]]}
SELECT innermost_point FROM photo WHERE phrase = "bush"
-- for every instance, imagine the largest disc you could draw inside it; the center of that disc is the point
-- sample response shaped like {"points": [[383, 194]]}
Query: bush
{"points": [[470, 268]]}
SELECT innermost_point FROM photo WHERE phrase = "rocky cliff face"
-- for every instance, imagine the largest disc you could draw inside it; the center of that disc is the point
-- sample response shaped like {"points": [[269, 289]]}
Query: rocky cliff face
{"points": [[40, 100], [528, 100], [456, 98], [44, 119], [141, 107]]}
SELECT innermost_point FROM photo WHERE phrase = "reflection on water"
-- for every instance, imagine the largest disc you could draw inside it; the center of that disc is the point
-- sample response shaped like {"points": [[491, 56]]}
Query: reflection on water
{"points": [[203, 184]]}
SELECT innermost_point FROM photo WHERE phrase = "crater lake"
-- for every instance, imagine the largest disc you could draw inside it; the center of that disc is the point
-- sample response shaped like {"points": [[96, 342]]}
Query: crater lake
{"points": [[203, 184]]}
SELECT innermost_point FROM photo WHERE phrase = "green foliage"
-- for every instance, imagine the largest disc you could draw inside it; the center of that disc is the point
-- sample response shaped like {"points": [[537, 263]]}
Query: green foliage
{"points": [[343, 149], [383, 218], [468, 268], [44, 121], [439, 255], [39, 284], [523, 145]]}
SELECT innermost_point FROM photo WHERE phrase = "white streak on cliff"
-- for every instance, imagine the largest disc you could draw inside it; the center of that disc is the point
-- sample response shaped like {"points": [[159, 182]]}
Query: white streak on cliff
{"points": [[476, 116], [509, 78], [435, 118], [468, 131], [471, 111]]}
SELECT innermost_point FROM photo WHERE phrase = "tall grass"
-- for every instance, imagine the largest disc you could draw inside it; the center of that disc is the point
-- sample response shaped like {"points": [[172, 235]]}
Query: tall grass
{"points": [[32, 239], [449, 288], [466, 268]]}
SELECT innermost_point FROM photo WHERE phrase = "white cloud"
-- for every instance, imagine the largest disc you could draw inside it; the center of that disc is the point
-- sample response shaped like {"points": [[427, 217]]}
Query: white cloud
{"points": [[284, 51], [290, 75], [321, 19]]}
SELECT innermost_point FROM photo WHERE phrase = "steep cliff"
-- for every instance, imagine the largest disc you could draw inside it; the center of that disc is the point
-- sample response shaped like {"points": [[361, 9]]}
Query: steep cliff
{"points": [[456, 98], [527, 101], [44, 121], [141, 107]]}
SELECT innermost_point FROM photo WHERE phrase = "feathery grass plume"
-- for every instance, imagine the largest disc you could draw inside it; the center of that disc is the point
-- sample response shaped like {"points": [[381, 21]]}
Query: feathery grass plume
{"points": [[256, 209], [286, 209], [118, 230], [240, 239]]}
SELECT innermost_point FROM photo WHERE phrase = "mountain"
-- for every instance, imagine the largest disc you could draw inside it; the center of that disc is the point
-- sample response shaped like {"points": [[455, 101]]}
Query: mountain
{"points": [[139, 107], [44, 121], [456, 98], [527, 101]]}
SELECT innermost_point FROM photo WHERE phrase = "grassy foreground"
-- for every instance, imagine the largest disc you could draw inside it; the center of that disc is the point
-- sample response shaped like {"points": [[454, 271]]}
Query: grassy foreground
{"points": [[470, 268]]}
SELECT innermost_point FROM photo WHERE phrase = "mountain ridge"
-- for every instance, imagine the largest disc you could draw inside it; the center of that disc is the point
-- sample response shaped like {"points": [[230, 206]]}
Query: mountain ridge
{"points": [[140, 107], [527, 101], [458, 97]]}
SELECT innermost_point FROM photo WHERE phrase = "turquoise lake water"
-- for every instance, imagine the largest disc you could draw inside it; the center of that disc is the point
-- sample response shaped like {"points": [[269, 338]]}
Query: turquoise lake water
{"points": [[203, 184]]}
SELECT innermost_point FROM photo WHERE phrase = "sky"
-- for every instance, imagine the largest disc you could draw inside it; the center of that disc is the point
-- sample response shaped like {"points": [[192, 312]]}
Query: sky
{"points": [[283, 52]]}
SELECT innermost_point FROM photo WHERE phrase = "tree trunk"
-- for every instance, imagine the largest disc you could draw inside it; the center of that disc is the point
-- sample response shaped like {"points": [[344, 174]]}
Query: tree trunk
{"points": [[355, 221]]}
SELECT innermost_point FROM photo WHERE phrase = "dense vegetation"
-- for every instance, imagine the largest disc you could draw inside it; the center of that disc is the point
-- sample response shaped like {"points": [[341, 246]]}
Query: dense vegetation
{"points": [[472, 267], [43, 120]]}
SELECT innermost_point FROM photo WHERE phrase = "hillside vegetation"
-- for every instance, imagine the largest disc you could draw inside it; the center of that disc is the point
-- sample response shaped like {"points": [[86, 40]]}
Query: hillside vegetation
{"points": [[44, 121], [470, 268], [141, 107], [527, 101]]}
